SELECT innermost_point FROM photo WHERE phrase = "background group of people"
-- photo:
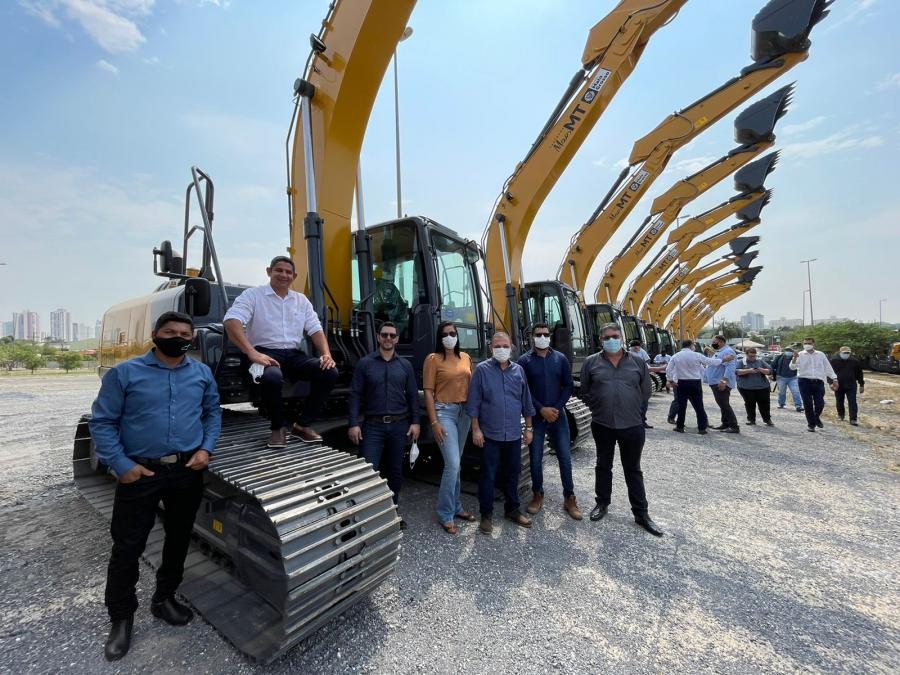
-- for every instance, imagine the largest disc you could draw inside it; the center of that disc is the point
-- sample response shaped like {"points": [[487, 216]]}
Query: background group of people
{"points": [[805, 373]]}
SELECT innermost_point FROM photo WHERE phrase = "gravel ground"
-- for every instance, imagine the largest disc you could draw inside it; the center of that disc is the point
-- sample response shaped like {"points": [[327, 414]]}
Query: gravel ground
{"points": [[780, 555]]}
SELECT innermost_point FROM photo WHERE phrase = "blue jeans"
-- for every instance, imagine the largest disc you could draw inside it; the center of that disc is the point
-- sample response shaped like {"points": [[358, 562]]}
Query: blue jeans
{"points": [[783, 383], [558, 432], [453, 417], [383, 446], [507, 457]]}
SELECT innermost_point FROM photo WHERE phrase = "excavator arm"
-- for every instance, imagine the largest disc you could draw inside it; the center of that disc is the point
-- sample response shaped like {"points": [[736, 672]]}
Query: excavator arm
{"points": [[751, 121], [346, 65], [780, 41], [714, 305], [614, 46], [747, 207]]}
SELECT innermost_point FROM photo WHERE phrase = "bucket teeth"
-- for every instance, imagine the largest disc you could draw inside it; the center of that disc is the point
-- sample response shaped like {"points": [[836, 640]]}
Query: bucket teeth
{"points": [[783, 27], [753, 176], [740, 245], [753, 210], [756, 123]]}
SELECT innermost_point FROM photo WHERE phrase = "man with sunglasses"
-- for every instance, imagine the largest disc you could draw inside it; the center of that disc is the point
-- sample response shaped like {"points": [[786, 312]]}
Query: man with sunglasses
{"points": [[384, 408], [550, 383]]}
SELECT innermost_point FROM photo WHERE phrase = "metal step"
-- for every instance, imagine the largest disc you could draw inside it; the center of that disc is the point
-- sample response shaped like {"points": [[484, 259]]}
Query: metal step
{"points": [[284, 540]]}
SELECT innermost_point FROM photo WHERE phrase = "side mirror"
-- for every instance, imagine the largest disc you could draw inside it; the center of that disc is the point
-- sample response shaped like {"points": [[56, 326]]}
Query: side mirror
{"points": [[562, 341], [196, 296], [167, 256]]}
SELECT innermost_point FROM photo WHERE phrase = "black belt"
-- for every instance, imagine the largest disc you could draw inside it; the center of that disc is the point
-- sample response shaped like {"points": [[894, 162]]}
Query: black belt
{"points": [[387, 419], [174, 458]]}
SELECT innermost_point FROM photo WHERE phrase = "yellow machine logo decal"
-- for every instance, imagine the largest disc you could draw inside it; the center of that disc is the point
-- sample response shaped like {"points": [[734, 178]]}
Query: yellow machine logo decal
{"points": [[217, 526]]}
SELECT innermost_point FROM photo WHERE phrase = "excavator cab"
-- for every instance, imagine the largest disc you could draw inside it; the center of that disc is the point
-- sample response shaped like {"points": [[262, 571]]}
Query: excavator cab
{"points": [[416, 273], [558, 306]]}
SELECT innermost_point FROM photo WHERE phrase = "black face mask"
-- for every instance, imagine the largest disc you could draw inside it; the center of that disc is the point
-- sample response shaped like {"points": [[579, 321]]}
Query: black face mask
{"points": [[173, 346]]}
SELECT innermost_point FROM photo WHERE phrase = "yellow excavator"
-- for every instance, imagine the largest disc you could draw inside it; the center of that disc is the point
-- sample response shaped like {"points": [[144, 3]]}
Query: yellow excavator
{"points": [[780, 41]]}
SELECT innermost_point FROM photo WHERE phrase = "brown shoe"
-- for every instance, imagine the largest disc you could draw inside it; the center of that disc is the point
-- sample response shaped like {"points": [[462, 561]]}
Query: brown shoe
{"points": [[487, 525], [571, 507], [305, 434], [278, 438], [519, 518], [537, 501], [466, 515]]}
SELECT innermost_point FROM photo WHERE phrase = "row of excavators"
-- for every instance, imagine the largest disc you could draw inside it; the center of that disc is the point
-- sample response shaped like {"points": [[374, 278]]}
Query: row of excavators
{"points": [[287, 539]]}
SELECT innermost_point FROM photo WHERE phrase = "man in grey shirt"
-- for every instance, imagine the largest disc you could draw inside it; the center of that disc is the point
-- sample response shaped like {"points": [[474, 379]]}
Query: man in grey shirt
{"points": [[615, 385]]}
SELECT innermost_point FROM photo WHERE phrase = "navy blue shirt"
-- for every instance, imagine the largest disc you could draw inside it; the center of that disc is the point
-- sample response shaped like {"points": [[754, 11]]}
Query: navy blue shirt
{"points": [[549, 379], [147, 409], [499, 398], [383, 388]]}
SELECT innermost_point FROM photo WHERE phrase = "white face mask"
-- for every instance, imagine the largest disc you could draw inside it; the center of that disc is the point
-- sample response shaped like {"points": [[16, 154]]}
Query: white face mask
{"points": [[542, 342], [501, 354], [449, 341], [809, 348]]}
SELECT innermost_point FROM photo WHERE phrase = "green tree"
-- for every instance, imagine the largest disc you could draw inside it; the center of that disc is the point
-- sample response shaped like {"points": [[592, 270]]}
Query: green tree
{"points": [[33, 359], [8, 355], [69, 360], [864, 339]]}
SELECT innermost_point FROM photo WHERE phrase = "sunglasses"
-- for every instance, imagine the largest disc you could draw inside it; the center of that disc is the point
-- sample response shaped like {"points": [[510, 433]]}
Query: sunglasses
{"points": [[450, 334], [542, 335], [389, 336]]}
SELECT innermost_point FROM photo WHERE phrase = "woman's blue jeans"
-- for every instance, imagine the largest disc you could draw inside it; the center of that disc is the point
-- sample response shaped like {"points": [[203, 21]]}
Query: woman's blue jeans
{"points": [[456, 423]]}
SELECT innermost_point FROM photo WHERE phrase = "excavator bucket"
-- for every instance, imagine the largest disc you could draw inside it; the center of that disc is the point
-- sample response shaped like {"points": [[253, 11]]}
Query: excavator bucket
{"points": [[749, 275], [783, 26], [745, 260], [757, 122], [753, 176], [740, 245], [753, 210]]}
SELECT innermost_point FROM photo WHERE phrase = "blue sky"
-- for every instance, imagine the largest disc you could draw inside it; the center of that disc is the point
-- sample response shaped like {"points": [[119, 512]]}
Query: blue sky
{"points": [[109, 102]]}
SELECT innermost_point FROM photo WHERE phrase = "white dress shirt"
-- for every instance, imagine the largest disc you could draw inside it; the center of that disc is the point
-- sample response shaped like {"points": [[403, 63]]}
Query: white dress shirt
{"points": [[272, 321], [688, 365], [813, 365]]}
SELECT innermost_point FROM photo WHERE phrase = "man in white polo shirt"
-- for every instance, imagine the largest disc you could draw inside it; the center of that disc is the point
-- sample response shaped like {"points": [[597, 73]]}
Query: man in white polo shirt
{"points": [[267, 324], [813, 371]]}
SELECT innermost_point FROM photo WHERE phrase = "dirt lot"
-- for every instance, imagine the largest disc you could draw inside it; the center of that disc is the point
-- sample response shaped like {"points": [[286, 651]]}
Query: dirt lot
{"points": [[780, 555]]}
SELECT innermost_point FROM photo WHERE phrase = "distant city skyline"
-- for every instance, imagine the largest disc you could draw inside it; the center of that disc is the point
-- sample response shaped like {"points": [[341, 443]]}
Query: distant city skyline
{"points": [[26, 325]]}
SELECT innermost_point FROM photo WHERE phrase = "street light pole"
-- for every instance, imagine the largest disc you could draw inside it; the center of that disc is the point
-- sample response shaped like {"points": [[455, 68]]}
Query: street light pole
{"points": [[812, 320], [406, 33], [880, 302]]}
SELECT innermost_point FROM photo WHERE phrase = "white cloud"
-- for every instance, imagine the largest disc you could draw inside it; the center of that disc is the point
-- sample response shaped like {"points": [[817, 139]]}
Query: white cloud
{"points": [[859, 11], [112, 24], [794, 129], [889, 82], [691, 165], [107, 66], [834, 143], [599, 162], [152, 61], [621, 164]]}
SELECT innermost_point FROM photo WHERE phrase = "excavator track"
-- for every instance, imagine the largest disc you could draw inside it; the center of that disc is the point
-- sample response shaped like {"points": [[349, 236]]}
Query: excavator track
{"points": [[284, 539], [579, 421]]}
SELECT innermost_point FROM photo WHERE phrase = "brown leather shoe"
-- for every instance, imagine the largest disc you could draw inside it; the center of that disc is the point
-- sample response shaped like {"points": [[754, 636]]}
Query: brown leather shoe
{"points": [[537, 501], [305, 434], [278, 438], [571, 507], [487, 525], [519, 518]]}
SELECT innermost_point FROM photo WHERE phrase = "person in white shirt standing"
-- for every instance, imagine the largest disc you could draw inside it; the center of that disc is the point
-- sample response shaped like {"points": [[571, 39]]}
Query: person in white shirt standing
{"points": [[685, 372], [267, 323], [813, 371]]}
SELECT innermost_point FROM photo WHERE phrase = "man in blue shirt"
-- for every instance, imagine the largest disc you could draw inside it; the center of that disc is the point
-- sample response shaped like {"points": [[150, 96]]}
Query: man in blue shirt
{"points": [[550, 384], [721, 380], [498, 399], [384, 408], [155, 424]]}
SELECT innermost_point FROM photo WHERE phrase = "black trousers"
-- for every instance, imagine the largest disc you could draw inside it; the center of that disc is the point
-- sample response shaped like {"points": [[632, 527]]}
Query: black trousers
{"points": [[723, 400], [631, 444], [690, 390], [757, 398], [134, 514], [812, 392], [295, 365], [850, 394]]}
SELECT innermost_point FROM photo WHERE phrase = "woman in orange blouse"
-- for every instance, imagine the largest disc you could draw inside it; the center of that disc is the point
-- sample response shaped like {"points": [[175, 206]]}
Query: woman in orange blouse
{"points": [[446, 376]]}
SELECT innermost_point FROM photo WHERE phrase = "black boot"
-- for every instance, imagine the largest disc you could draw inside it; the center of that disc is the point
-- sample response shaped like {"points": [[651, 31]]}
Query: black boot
{"points": [[119, 640], [171, 611], [645, 521]]}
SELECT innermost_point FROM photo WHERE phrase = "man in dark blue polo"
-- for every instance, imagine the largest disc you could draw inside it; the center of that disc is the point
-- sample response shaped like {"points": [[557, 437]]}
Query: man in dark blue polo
{"points": [[384, 408], [154, 423], [550, 383], [498, 399]]}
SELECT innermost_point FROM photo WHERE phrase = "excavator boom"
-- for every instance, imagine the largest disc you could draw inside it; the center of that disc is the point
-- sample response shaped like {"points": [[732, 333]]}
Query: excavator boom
{"points": [[786, 44], [613, 49]]}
